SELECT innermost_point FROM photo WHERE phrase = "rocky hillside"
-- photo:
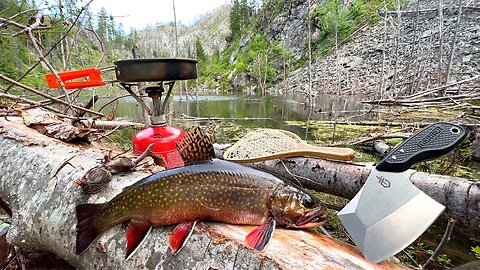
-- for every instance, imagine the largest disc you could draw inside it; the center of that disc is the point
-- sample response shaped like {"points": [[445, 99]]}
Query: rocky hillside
{"points": [[407, 44], [211, 30], [386, 55]]}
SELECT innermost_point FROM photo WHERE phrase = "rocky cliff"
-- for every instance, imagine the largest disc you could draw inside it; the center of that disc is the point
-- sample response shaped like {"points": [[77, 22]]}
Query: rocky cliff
{"points": [[406, 43], [211, 29]]}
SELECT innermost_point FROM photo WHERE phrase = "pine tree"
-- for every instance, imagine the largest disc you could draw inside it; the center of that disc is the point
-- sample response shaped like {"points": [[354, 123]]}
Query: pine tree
{"points": [[102, 24], [201, 56], [235, 18]]}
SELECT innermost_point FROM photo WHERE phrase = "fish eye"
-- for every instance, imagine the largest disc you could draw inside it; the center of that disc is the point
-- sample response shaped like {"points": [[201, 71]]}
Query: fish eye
{"points": [[307, 201]]}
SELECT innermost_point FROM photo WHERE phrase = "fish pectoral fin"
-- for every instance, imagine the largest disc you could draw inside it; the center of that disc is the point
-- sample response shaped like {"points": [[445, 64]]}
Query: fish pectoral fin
{"points": [[260, 237], [180, 235], [137, 232]]}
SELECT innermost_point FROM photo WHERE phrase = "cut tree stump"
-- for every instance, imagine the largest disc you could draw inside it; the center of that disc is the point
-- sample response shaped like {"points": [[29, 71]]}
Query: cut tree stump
{"points": [[43, 204]]}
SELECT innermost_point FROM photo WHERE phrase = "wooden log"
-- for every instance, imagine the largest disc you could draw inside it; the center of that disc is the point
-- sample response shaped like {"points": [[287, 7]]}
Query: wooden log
{"points": [[43, 204], [381, 147], [110, 124]]}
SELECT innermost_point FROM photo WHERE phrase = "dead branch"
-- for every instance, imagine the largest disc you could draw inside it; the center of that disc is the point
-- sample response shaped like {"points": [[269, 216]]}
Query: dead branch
{"points": [[433, 90], [16, 15], [440, 41], [108, 133], [373, 137], [443, 242], [53, 47], [38, 20], [413, 53], [384, 46], [28, 88], [35, 104], [146, 153], [397, 102], [386, 123], [398, 33], [89, 105], [110, 124], [193, 118], [452, 49], [102, 46], [14, 23], [112, 100], [381, 147], [431, 11]]}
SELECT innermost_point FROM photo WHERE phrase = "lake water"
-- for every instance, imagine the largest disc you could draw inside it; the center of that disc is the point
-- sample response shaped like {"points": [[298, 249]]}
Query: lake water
{"points": [[272, 111]]}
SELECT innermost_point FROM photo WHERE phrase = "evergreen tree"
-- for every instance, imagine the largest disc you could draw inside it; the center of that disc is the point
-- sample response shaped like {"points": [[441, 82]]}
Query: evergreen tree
{"points": [[111, 29], [102, 24], [201, 56], [244, 13], [235, 18], [120, 36]]}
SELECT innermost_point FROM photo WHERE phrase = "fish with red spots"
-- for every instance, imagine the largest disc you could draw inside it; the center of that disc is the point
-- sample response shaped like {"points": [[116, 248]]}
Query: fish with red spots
{"points": [[204, 189]]}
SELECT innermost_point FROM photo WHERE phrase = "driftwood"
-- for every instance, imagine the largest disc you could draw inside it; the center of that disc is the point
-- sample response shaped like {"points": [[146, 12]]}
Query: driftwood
{"points": [[110, 124], [43, 204]]}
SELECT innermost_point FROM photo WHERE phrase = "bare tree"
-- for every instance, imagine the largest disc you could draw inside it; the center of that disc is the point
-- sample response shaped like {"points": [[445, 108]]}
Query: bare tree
{"points": [[309, 41], [440, 40], [452, 49], [175, 27]]}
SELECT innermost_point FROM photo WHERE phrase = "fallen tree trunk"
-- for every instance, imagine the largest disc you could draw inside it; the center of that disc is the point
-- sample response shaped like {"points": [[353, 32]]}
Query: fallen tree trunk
{"points": [[43, 204]]}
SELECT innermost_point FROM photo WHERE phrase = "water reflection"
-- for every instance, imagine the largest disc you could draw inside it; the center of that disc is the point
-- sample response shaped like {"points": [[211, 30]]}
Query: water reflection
{"points": [[273, 111], [282, 108]]}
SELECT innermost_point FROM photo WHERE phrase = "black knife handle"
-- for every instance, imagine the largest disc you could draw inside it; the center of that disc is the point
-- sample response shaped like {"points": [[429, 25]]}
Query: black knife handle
{"points": [[433, 141]]}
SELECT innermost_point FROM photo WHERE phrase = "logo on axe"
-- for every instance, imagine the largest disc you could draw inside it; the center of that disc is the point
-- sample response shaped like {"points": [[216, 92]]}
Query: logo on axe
{"points": [[383, 181]]}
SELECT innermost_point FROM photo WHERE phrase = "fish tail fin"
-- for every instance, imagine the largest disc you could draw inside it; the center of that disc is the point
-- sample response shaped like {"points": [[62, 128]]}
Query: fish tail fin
{"points": [[87, 232]]}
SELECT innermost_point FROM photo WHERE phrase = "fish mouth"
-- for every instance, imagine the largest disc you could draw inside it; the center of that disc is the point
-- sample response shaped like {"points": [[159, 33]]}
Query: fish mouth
{"points": [[312, 219]]}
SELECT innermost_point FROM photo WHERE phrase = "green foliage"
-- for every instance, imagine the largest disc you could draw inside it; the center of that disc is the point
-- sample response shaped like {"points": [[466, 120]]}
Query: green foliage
{"points": [[337, 21], [123, 137], [17, 54], [102, 24], [201, 56], [240, 16], [442, 259], [7, 57], [420, 247], [476, 251], [235, 18], [34, 81]]}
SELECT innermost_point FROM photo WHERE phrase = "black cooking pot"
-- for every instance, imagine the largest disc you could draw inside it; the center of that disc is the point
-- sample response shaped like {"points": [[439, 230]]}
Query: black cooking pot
{"points": [[155, 69]]}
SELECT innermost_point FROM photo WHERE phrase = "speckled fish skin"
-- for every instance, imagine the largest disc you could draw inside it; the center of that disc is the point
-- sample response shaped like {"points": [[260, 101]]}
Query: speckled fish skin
{"points": [[214, 190]]}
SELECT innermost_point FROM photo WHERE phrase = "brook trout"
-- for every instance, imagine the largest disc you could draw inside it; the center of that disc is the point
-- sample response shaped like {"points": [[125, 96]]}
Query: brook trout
{"points": [[204, 189]]}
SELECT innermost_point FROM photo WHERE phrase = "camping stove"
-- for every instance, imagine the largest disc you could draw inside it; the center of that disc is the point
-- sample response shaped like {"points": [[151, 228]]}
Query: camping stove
{"points": [[163, 136], [130, 72]]}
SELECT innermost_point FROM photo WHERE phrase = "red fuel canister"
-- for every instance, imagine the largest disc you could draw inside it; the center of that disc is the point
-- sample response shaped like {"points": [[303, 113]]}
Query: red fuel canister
{"points": [[164, 138]]}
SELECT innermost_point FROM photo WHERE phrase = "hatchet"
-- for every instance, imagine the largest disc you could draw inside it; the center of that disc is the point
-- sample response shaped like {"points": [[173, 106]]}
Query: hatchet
{"points": [[389, 212]]}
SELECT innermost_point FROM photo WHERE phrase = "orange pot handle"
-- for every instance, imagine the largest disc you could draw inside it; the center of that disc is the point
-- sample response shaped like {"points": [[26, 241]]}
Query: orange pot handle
{"points": [[93, 76]]}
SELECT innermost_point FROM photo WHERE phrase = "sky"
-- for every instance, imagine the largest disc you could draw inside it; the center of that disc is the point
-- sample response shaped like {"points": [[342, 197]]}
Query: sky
{"points": [[140, 13]]}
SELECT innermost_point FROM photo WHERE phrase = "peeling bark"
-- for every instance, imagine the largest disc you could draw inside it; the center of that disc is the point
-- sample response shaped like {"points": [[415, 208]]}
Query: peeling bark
{"points": [[43, 205]]}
